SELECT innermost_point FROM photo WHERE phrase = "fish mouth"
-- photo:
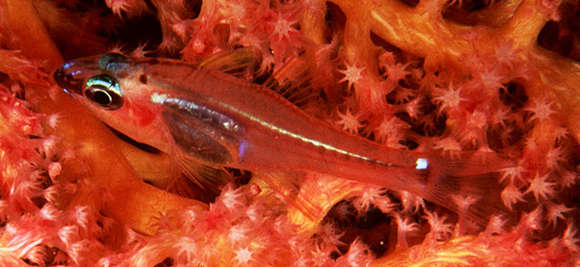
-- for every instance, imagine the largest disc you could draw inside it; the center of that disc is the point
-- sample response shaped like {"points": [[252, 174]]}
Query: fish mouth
{"points": [[141, 146], [65, 78]]}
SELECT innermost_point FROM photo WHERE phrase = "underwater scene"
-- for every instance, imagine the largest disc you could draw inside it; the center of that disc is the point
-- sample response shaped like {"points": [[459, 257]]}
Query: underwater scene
{"points": [[289, 133]]}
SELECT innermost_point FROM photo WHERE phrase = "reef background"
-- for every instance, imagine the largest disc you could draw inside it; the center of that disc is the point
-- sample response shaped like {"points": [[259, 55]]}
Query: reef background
{"points": [[424, 75]]}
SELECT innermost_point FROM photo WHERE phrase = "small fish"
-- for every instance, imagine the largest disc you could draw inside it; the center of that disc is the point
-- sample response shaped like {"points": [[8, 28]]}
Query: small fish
{"points": [[199, 114]]}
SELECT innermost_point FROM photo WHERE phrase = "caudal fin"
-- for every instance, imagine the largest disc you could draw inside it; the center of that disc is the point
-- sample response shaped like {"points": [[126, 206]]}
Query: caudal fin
{"points": [[470, 187]]}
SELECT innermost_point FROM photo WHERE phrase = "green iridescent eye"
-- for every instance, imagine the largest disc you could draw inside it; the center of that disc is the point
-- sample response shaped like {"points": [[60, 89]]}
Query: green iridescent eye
{"points": [[105, 91]]}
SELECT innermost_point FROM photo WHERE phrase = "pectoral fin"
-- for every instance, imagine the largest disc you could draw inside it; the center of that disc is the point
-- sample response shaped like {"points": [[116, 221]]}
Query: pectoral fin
{"points": [[194, 140], [209, 179], [199, 152]]}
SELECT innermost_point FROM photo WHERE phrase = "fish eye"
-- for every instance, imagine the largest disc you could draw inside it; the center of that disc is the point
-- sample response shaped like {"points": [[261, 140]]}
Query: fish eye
{"points": [[104, 90]]}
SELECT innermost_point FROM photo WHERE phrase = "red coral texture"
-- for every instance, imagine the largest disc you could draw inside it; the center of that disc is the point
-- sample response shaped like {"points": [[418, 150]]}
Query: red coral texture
{"points": [[448, 77]]}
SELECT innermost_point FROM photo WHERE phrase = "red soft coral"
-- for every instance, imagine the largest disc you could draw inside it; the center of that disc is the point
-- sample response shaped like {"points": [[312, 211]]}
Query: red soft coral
{"points": [[409, 78]]}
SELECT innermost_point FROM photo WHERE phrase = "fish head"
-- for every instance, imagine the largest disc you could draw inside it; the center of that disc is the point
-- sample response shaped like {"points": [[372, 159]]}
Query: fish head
{"points": [[115, 89]]}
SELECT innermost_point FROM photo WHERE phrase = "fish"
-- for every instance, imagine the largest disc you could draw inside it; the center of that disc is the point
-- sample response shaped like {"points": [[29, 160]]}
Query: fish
{"points": [[199, 113]]}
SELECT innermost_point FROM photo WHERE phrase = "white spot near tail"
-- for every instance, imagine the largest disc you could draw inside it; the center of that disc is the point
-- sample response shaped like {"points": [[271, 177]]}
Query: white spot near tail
{"points": [[422, 164]]}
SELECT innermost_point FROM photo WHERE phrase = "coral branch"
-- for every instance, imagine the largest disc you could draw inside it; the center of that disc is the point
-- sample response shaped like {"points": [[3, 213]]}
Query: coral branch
{"points": [[550, 75]]}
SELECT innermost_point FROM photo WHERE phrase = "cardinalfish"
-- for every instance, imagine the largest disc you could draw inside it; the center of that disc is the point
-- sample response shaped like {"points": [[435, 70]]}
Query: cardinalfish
{"points": [[198, 113]]}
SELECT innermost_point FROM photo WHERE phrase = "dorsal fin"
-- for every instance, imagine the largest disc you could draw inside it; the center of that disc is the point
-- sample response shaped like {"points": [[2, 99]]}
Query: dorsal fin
{"points": [[293, 81], [241, 62]]}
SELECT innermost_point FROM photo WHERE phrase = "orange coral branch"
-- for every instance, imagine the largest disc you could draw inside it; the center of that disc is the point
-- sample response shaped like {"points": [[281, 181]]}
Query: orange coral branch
{"points": [[422, 31], [28, 34]]}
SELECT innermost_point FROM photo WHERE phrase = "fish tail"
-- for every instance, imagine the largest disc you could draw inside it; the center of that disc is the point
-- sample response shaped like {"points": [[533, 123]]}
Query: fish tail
{"points": [[470, 187]]}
